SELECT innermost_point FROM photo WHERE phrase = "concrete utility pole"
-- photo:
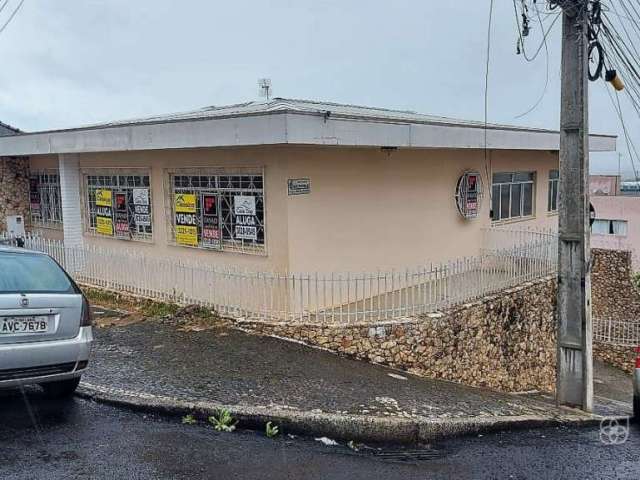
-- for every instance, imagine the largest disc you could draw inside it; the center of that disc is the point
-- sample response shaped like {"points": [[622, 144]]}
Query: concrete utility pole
{"points": [[575, 365]]}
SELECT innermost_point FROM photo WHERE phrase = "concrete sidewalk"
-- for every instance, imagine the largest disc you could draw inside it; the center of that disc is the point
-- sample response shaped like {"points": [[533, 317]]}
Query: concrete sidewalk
{"points": [[154, 365]]}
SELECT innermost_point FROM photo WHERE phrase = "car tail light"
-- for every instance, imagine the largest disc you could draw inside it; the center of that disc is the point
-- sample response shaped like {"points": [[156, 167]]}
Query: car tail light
{"points": [[87, 315], [638, 356]]}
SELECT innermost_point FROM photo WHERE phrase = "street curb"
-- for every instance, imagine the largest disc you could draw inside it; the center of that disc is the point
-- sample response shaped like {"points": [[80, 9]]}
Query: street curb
{"points": [[337, 426]]}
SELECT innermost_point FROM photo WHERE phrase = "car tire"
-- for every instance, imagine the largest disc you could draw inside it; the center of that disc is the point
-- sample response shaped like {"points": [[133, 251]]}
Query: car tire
{"points": [[61, 389]]}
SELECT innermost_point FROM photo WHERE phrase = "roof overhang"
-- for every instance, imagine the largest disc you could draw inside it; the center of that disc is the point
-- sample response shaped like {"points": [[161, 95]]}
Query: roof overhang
{"points": [[276, 128]]}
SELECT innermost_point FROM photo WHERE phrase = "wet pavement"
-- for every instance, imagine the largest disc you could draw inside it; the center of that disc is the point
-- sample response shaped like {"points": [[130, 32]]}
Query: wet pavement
{"points": [[78, 439], [230, 367]]}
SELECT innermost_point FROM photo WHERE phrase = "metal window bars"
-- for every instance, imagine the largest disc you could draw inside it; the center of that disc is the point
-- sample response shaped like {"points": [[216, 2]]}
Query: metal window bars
{"points": [[45, 198], [224, 184]]}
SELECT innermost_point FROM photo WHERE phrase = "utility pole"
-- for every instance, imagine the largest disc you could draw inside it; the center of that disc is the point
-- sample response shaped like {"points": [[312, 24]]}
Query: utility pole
{"points": [[574, 384]]}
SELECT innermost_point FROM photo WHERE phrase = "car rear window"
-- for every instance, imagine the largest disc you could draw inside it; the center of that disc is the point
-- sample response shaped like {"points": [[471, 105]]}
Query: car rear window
{"points": [[25, 273]]}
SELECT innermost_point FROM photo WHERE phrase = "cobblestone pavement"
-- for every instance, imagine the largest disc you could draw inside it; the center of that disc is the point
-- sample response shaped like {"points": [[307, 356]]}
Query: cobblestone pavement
{"points": [[228, 366]]}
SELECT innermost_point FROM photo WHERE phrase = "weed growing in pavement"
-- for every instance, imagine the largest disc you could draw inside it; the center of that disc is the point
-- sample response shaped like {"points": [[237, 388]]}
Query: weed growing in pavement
{"points": [[189, 420], [158, 309], [223, 421], [272, 430]]}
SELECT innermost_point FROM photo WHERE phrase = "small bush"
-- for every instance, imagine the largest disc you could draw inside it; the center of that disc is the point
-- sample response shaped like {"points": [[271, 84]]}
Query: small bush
{"points": [[272, 430], [189, 420], [223, 421]]}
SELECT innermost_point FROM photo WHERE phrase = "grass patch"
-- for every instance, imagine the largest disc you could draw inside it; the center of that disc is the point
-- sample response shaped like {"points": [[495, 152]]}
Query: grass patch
{"points": [[158, 309]]}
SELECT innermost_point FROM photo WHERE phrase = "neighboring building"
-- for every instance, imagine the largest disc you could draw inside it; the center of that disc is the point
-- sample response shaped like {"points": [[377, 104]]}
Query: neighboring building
{"points": [[604, 185], [14, 177], [617, 222], [292, 185]]}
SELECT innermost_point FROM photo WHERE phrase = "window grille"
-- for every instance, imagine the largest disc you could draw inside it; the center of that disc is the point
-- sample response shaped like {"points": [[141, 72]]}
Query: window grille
{"points": [[512, 195], [216, 209], [118, 204], [552, 196], [45, 198]]}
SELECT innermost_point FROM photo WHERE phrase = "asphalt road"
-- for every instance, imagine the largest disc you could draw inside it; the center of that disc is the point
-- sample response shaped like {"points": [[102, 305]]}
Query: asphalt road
{"points": [[42, 439]]}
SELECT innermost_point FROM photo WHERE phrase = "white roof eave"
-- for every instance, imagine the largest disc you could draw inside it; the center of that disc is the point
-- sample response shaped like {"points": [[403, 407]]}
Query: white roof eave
{"points": [[286, 128]]}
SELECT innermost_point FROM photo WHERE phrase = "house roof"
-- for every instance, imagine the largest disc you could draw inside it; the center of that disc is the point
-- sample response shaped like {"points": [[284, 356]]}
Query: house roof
{"points": [[289, 121], [288, 105], [6, 129]]}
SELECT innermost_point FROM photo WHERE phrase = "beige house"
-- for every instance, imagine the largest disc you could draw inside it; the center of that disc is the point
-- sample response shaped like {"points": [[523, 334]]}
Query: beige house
{"points": [[290, 185]]}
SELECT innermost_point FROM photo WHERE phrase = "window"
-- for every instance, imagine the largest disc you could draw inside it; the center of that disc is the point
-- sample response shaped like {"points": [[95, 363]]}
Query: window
{"points": [[26, 273], [609, 227], [512, 195], [552, 196], [45, 199], [118, 204], [217, 209]]}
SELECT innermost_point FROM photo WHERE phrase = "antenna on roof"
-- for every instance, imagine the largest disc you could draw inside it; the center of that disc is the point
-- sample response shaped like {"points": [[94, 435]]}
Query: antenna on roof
{"points": [[264, 87]]}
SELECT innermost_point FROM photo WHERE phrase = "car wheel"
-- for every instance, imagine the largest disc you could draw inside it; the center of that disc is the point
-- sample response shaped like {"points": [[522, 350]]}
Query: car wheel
{"points": [[63, 388]]}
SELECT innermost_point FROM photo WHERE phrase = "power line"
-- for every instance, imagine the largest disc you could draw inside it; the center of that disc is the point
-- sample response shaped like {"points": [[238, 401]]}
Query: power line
{"points": [[546, 82], [487, 158], [13, 14]]}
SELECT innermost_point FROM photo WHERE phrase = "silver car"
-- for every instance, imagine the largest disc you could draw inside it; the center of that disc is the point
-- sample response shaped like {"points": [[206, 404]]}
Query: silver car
{"points": [[45, 324], [636, 387]]}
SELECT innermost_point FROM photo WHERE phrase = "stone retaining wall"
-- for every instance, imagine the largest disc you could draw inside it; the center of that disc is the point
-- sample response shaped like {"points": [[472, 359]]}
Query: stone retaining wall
{"points": [[14, 189], [612, 291], [505, 342], [623, 358]]}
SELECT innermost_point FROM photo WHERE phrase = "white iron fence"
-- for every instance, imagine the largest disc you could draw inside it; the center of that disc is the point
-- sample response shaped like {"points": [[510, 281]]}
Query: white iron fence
{"points": [[624, 333], [508, 258]]}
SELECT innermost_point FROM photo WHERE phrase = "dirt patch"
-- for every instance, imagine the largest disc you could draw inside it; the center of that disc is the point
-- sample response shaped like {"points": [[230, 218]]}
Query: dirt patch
{"points": [[120, 310]]}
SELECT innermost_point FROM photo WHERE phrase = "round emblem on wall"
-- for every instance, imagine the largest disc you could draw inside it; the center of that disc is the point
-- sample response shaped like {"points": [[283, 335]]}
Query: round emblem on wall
{"points": [[469, 194]]}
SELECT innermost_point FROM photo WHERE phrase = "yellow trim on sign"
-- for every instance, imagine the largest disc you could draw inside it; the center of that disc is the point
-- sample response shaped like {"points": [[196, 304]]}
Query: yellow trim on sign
{"points": [[185, 203], [103, 198]]}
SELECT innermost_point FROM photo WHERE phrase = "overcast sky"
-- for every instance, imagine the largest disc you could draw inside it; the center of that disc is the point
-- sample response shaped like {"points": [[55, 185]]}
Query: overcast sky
{"points": [[72, 62]]}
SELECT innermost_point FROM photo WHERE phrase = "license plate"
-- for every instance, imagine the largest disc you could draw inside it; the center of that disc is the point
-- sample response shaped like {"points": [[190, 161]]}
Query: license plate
{"points": [[24, 325]]}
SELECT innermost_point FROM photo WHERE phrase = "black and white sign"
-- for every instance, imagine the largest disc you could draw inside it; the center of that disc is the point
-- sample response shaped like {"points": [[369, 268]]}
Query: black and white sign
{"points": [[244, 205], [246, 228], [141, 208], [299, 186]]}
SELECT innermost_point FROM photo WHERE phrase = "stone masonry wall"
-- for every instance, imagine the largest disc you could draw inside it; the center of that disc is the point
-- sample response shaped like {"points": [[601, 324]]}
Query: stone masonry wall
{"points": [[505, 342], [614, 297], [613, 294], [14, 189]]}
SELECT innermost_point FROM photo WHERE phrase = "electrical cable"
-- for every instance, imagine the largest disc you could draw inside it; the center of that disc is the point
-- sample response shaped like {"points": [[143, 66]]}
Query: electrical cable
{"points": [[546, 82], [628, 140], [13, 14], [521, 37], [487, 157]]}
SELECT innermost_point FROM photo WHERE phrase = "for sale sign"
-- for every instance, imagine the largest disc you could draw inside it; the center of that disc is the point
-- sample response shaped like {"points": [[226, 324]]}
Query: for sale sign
{"points": [[186, 219], [211, 235], [104, 212]]}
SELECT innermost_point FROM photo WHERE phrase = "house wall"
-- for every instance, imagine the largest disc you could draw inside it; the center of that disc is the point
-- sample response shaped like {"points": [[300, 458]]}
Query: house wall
{"points": [[371, 209], [368, 209], [14, 189], [271, 158], [619, 208]]}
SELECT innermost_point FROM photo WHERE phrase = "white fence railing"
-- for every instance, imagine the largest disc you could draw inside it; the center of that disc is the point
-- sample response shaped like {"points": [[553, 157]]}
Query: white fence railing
{"points": [[333, 298], [625, 333]]}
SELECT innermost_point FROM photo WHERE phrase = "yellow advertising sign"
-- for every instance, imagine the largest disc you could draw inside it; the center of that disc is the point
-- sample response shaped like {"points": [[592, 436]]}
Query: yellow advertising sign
{"points": [[103, 198], [187, 235], [104, 225], [186, 203]]}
